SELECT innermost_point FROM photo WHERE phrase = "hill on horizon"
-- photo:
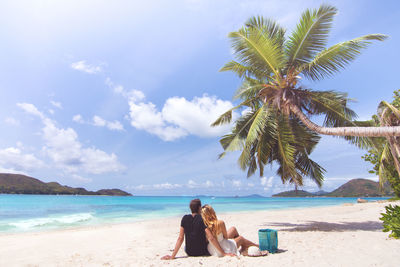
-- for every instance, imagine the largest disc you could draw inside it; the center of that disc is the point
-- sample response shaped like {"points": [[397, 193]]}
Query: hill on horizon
{"points": [[358, 187], [22, 184]]}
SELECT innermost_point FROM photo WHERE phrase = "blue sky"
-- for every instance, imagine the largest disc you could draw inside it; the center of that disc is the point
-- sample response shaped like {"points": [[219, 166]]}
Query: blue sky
{"points": [[120, 94]]}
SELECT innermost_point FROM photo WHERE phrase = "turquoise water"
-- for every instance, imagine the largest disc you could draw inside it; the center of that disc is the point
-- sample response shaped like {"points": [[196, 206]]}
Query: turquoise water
{"points": [[19, 213]]}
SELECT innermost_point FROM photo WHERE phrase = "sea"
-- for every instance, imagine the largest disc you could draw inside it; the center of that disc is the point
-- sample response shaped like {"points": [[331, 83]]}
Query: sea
{"points": [[28, 213]]}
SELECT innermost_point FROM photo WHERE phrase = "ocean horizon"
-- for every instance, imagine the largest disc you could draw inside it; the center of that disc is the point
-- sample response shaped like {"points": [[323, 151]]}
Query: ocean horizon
{"points": [[27, 213]]}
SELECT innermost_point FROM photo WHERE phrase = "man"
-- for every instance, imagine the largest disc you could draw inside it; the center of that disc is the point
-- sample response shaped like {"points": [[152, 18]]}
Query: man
{"points": [[194, 232]]}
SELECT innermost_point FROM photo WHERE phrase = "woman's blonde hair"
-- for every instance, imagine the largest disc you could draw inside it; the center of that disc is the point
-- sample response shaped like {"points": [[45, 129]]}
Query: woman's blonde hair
{"points": [[210, 218]]}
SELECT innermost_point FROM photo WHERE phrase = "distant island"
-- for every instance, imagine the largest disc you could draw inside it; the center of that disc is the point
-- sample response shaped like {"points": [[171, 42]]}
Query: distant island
{"points": [[353, 188], [253, 196], [22, 184]]}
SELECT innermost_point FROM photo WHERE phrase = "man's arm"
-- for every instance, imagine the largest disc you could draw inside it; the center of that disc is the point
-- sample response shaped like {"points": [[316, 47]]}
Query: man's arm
{"points": [[215, 242], [177, 245]]}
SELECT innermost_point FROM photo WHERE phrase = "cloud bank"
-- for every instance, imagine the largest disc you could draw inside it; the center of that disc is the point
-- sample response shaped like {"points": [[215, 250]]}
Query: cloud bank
{"points": [[64, 149], [178, 117]]}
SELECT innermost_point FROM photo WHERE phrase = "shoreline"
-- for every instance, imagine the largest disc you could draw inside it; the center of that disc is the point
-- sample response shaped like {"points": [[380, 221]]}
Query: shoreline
{"points": [[159, 217], [339, 235]]}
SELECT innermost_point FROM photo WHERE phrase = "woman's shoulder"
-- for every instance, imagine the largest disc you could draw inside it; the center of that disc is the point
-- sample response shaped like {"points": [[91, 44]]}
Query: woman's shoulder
{"points": [[220, 222]]}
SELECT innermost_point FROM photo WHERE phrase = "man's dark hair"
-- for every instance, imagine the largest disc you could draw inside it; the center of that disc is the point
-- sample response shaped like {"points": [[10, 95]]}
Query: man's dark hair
{"points": [[195, 205]]}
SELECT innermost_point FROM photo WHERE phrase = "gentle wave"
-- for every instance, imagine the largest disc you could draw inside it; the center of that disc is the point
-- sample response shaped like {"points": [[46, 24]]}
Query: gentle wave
{"points": [[49, 221], [23, 213]]}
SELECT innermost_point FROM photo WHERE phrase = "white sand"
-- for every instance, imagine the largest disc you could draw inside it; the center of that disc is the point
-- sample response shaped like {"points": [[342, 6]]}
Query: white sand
{"points": [[347, 235]]}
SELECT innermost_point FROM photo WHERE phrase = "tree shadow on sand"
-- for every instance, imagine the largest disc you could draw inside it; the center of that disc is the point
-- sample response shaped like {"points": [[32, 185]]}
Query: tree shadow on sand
{"points": [[328, 227]]}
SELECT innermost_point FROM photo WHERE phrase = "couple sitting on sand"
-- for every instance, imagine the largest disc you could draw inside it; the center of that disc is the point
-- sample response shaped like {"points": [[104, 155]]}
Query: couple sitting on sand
{"points": [[203, 225]]}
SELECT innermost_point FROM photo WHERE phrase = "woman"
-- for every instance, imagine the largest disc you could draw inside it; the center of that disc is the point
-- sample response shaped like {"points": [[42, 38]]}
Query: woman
{"points": [[218, 229]]}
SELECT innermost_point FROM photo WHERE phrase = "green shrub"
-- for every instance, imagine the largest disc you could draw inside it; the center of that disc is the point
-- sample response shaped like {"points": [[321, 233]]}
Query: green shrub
{"points": [[391, 220]]}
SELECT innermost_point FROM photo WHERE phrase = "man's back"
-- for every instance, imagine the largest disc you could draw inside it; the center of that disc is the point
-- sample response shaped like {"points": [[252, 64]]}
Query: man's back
{"points": [[195, 237]]}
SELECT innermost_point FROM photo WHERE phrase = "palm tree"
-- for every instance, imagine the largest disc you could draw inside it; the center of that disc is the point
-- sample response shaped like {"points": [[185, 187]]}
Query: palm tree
{"points": [[265, 136], [389, 115], [278, 106], [385, 152], [276, 65]]}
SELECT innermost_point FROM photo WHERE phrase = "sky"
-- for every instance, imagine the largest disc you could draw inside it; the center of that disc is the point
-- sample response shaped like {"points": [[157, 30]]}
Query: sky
{"points": [[121, 94]]}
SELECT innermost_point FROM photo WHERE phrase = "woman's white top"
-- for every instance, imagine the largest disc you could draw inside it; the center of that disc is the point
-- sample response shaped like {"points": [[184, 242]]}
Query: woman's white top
{"points": [[229, 246]]}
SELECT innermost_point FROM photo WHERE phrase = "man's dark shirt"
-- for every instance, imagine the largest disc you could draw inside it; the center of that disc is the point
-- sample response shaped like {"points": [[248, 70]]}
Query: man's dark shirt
{"points": [[195, 236]]}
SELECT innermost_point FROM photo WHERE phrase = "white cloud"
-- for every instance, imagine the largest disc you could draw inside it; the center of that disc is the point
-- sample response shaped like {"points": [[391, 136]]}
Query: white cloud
{"points": [[267, 182], [162, 186], [85, 67], [12, 158], [115, 125], [236, 183], [144, 116], [100, 122], [56, 104], [208, 184], [63, 147], [78, 118], [112, 125], [6, 170], [196, 116], [192, 184], [51, 111], [180, 117], [166, 186], [31, 109], [80, 178], [132, 95], [12, 121], [138, 187]]}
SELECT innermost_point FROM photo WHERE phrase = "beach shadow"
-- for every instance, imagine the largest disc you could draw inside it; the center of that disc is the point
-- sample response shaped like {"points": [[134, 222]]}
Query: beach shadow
{"points": [[279, 251], [328, 227]]}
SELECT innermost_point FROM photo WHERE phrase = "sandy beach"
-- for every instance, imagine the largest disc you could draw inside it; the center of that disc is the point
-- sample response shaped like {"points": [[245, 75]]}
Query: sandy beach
{"points": [[346, 235]]}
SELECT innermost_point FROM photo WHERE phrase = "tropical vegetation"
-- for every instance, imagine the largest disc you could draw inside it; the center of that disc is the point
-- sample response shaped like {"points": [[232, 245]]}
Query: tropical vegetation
{"points": [[354, 188], [391, 220], [384, 153], [22, 184], [275, 126]]}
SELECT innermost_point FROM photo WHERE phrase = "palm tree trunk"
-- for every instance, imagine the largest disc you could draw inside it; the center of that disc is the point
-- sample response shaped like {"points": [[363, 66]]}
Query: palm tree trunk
{"points": [[384, 131], [394, 149]]}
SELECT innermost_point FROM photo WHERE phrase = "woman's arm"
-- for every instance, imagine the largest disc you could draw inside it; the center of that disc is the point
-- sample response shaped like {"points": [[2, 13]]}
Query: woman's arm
{"points": [[222, 227], [177, 245], [215, 242]]}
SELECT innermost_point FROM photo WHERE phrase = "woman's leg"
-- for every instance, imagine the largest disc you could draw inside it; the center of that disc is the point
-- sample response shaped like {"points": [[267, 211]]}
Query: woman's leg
{"points": [[232, 233], [244, 244]]}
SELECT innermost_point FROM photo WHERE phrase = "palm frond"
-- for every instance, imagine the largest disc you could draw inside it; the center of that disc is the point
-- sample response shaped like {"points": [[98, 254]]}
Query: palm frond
{"points": [[386, 109], [241, 70], [237, 68], [249, 89], [310, 35], [235, 140], [333, 105], [364, 142], [256, 129], [383, 159], [311, 169], [332, 60], [286, 149], [258, 124], [254, 49], [270, 28], [227, 116]]}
